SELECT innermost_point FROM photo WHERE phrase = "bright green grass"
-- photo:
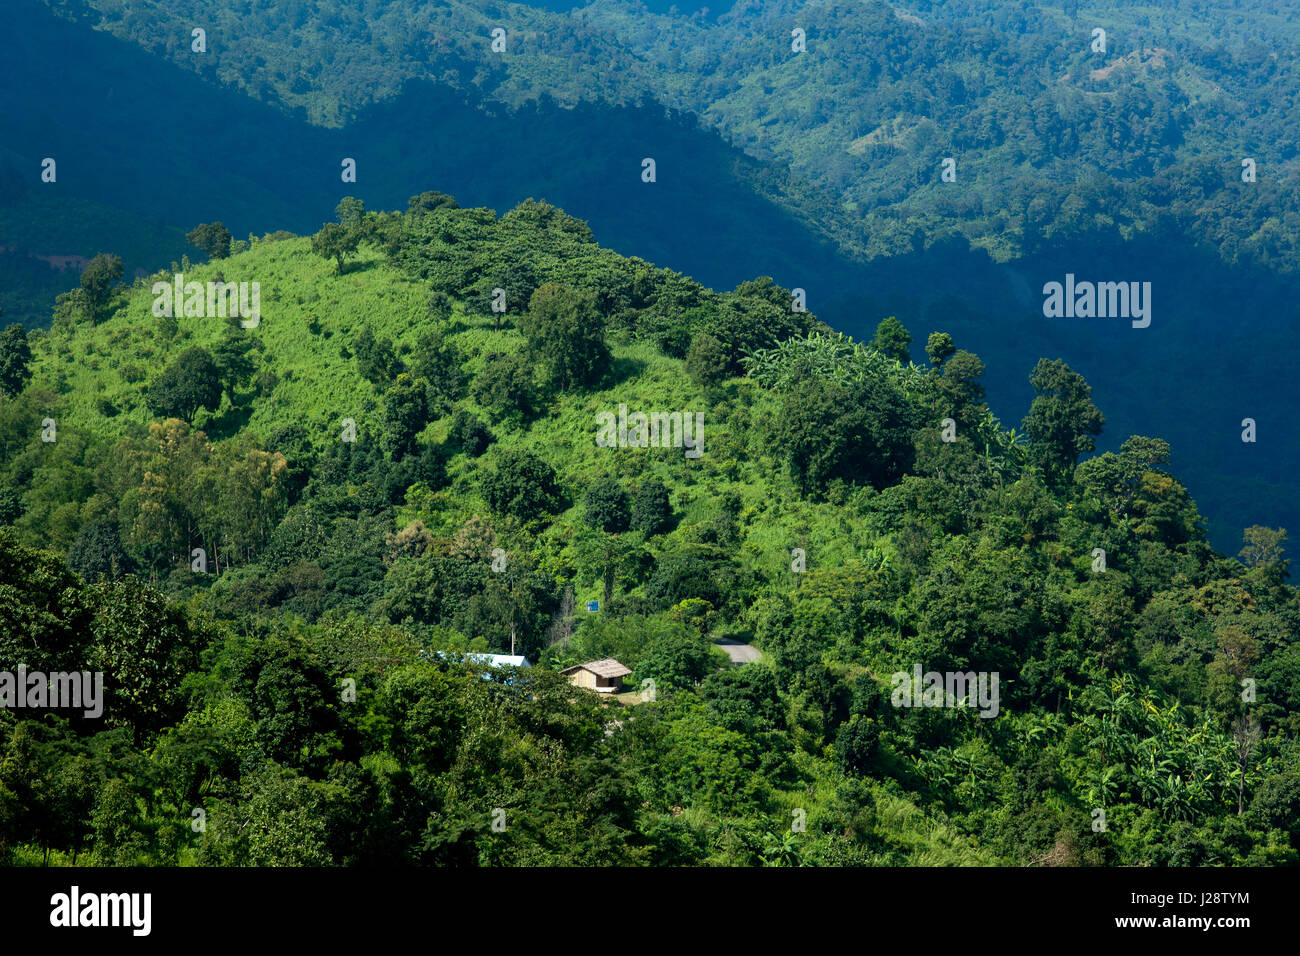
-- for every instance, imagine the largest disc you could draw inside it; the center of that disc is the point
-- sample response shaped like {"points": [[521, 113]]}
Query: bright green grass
{"points": [[317, 387]]}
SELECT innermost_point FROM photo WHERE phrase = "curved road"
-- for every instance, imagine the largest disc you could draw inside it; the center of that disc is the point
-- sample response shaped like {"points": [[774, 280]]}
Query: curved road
{"points": [[738, 652]]}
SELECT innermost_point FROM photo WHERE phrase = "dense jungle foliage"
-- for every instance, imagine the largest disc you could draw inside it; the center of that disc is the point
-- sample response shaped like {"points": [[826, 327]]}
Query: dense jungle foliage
{"points": [[385, 471]]}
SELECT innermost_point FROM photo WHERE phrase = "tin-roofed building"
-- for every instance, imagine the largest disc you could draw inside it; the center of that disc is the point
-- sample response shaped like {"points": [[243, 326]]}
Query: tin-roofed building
{"points": [[500, 660], [491, 660]]}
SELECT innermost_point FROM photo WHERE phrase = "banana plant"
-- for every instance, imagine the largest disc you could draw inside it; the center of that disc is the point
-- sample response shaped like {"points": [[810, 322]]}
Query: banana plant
{"points": [[1103, 786]]}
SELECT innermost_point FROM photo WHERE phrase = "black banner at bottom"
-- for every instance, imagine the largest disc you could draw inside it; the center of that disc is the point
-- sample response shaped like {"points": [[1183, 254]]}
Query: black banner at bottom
{"points": [[331, 907]]}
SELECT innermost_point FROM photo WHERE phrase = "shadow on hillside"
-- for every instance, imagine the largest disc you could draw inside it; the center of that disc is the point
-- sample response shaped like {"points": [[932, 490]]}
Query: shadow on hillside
{"points": [[1219, 340], [228, 423], [621, 369]]}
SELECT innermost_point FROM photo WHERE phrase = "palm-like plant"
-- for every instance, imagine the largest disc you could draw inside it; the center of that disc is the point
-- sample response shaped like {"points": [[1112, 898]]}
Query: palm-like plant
{"points": [[832, 357], [781, 851], [1103, 784]]}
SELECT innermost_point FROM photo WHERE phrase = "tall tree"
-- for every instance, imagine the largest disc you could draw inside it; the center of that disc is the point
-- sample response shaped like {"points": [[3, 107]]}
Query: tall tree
{"points": [[15, 360], [145, 647], [351, 212], [607, 507], [253, 496], [939, 348], [851, 432], [707, 361], [233, 359], [652, 511], [98, 552], [1116, 478], [519, 281], [335, 242], [1263, 545], [377, 362], [1062, 423], [960, 393], [438, 363], [406, 412], [522, 486], [97, 281], [188, 384], [430, 200], [566, 332], [893, 339], [505, 387], [212, 237]]}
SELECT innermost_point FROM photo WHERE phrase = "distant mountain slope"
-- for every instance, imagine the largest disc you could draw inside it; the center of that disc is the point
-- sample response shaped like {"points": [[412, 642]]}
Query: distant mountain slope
{"points": [[270, 170], [1132, 176], [1052, 136]]}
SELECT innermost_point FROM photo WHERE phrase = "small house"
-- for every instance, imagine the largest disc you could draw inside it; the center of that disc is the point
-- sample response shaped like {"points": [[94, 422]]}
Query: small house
{"points": [[604, 677]]}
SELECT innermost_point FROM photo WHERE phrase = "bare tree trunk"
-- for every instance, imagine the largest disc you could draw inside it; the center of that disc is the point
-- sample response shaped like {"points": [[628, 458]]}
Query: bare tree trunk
{"points": [[562, 620], [1245, 736]]}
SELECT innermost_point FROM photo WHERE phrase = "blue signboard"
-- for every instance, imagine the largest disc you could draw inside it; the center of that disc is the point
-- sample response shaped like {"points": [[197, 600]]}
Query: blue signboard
{"points": [[593, 605]]}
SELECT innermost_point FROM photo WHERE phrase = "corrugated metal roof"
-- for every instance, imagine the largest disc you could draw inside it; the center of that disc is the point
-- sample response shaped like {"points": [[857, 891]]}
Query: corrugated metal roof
{"points": [[503, 660], [492, 660]]}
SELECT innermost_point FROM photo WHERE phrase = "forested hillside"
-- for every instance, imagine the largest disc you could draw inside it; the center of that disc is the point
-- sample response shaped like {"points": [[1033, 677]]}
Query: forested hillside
{"points": [[1053, 134], [823, 168], [273, 536]]}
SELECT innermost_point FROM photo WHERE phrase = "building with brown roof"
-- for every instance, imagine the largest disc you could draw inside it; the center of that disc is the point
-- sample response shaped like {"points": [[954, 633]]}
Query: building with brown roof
{"points": [[604, 677]]}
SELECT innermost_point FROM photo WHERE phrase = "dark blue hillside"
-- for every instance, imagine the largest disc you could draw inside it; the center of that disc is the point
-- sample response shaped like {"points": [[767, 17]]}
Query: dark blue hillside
{"points": [[140, 135]]}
